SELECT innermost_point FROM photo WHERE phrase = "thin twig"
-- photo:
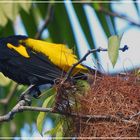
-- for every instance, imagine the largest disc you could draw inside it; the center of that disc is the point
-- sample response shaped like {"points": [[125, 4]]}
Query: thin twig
{"points": [[46, 22], [135, 115], [20, 107], [85, 56], [114, 14], [6, 100]]}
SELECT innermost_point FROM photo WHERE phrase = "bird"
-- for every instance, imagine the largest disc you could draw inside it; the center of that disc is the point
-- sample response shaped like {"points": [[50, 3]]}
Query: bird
{"points": [[30, 61]]}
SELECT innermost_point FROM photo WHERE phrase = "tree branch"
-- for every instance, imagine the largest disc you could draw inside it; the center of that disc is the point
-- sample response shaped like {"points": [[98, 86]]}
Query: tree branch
{"points": [[85, 56], [15, 110], [114, 14], [46, 22], [20, 107]]}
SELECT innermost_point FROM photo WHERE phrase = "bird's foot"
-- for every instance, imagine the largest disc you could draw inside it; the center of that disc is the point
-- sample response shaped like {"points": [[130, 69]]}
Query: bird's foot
{"points": [[27, 98], [26, 95]]}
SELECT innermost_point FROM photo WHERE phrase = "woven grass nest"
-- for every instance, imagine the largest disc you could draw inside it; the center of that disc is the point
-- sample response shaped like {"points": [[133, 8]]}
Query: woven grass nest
{"points": [[113, 102]]}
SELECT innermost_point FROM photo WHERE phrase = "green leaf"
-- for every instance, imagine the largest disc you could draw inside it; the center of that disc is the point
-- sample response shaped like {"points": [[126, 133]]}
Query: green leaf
{"points": [[3, 19], [59, 134], [102, 18], [8, 30], [42, 8], [60, 29], [83, 86], [36, 14], [113, 48], [5, 127], [57, 130], [40, 121], [104, 23], [47, 93], [4, 80], [10, 10], [97, 6], [29, 22], [47, 103], [84, 23], [25, 6]]}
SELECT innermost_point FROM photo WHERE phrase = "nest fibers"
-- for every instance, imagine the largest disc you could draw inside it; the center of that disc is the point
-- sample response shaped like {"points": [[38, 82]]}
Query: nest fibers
{"points": [[110, 97]]}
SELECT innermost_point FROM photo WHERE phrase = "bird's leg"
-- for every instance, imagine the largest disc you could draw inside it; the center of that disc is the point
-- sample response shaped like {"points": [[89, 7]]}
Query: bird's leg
{"points": [[39, 89], [36, 92], [26, 95]]}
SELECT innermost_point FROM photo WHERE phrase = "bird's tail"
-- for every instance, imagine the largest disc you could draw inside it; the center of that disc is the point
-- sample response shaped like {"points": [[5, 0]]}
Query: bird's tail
{"points": [[85, 74], [90, 70]]}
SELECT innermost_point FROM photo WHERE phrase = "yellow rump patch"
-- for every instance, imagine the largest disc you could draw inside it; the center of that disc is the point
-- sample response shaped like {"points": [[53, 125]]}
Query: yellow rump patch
{"points": [[20, 49]]}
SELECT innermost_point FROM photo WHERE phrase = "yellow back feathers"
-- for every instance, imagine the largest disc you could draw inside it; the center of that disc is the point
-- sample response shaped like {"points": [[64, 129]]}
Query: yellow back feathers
{"points": [[58, 54]]}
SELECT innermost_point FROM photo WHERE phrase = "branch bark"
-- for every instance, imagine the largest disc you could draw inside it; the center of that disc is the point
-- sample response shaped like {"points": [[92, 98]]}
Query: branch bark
{"points": [[114, 14], [21, 106]]}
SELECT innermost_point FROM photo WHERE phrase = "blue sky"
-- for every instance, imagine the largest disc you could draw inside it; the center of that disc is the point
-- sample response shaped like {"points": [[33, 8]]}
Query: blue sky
{"points": [[131, 37]]}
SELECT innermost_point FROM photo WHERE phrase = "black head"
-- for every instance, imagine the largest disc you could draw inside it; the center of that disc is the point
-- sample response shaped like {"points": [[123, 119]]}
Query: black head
{"points": [[12, 39]]}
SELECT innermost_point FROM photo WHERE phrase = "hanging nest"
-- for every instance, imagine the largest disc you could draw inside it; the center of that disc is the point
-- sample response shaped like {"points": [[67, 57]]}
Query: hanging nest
{"points": [[110, 108]]}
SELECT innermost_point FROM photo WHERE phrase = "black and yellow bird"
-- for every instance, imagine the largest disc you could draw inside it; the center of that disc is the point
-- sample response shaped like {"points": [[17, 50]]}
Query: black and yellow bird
{"points": [[34, 62]]}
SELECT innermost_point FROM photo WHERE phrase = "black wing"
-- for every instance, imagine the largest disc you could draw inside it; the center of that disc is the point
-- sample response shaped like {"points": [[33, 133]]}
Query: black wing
{"points": [[37, 69]]}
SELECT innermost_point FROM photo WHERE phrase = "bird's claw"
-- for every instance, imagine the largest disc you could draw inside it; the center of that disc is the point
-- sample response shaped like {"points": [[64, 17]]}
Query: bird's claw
{"points": [[26, 97]]}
